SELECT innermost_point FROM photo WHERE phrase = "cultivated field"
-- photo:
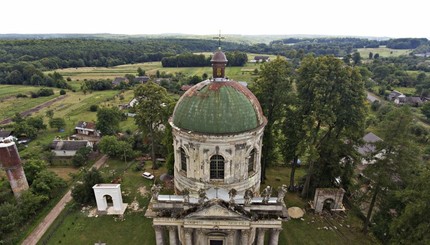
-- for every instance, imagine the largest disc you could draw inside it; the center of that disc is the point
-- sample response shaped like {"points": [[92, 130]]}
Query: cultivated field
{"points": [[383, 52], [79, 74], [10, 104]]}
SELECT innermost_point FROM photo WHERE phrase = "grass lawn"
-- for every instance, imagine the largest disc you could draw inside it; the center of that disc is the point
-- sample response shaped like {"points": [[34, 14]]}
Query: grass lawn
{"points": [[8, 107], [77, 228], [12, 90], [383, 52]]}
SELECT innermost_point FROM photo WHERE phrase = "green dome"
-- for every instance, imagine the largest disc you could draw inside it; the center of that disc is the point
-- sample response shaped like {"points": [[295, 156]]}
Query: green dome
{"points": [[218, 107]]}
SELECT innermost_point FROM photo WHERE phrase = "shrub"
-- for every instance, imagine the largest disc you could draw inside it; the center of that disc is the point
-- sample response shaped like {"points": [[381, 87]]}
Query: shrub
{"points": [[21, 95], [93, 108], [62, 92]]}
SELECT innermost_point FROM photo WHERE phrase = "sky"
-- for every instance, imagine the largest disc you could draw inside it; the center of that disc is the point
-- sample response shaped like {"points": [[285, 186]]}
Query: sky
{"points": [[367, 18]]}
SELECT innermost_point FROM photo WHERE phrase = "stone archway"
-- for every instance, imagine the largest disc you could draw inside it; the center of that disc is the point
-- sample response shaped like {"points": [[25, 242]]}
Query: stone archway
{"points": [[109, 198], [328, 204], [330, 198]]}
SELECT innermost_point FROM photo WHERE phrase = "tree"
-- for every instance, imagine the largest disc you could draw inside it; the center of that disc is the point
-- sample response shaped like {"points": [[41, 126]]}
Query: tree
{"points": [[49, 114], [356, 58], [111, 146], [32, 167], [376, 56], [272, 88], [22, 129], [81, 157], [58, 123], [370, 55], [294, 134], [140, 72], [83, 192], [399, 157], [108, 120], [412, 224], [47, 183], [36, 122], [331, 98], [425, 109], [153, 110]]}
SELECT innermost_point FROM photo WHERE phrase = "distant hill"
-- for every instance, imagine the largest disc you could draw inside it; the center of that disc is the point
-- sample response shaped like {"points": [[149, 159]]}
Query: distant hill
{"points": [[249, 39]]}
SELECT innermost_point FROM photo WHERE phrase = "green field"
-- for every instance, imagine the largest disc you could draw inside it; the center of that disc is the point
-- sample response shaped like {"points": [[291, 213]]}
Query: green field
{"points": [[79, 74], [383, 52], [8, 91], [10, 104], [74, 108]]}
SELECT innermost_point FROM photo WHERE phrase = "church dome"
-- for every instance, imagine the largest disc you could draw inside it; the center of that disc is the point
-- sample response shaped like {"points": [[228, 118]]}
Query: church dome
{"points": [[218, 107]]}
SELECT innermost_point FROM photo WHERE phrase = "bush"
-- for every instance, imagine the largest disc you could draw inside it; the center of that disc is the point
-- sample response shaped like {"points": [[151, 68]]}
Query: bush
{"points": [[93, 108], [21, 95], [62, 92]]}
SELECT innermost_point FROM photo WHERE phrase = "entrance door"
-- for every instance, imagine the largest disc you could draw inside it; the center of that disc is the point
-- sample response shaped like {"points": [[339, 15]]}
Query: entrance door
{"points": [[216, 242]]}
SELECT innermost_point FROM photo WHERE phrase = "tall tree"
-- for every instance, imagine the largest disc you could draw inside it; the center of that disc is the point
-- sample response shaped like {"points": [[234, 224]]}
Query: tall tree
{"points": [[108, 120], [152, 112], [397, 156], [413, 222], [272, 88], [83, 191], [294, 134], [57, 122], [332, 100]]}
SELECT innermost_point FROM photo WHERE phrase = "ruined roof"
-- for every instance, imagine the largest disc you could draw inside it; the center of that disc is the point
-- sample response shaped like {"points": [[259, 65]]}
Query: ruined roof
{"points": [[218, 107], [86, 125], [369, 143], [5, 133], [68, 145]]}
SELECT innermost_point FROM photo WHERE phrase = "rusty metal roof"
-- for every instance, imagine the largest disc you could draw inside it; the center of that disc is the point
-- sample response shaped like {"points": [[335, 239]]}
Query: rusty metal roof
{"points": [[218, 108]]}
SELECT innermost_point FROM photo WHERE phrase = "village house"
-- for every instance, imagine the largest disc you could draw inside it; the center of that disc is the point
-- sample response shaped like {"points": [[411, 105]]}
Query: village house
{"points": [[395, 95], [412, 101], [68, 148], [87, 128], [261, 58], [118, 80], [368, 148], [141, 79]]}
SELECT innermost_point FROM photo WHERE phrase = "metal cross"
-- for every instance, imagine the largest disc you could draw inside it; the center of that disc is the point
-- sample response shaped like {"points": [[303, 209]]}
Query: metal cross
{"points": [[219, 37]]}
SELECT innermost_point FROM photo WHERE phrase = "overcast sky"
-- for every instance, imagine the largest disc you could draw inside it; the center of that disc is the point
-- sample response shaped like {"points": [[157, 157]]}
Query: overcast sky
{"points": [[317, 17]]}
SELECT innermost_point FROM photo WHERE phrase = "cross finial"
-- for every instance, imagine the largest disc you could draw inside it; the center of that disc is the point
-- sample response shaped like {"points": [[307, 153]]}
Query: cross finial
{"points": [[219, 37]]}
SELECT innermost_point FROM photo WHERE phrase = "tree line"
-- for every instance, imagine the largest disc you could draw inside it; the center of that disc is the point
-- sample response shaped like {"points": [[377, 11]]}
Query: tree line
{"points": [[235, 58]]}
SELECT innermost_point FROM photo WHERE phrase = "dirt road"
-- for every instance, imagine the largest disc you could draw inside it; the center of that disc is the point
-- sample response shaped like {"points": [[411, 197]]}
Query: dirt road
{"points": [[43, 226]]}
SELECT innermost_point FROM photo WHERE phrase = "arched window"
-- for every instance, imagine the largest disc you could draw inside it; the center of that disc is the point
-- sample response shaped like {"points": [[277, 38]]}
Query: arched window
{"points": [[183, 160], [251, 161], [217, 167]]}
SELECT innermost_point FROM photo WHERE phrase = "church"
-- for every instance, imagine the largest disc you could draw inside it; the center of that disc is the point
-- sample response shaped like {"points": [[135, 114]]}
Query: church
{"points": [[217, 128]]}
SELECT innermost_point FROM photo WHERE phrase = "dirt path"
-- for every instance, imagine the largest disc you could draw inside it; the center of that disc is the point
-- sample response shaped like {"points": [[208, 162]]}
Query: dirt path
{"points": [[36, 109], [43, 226]]}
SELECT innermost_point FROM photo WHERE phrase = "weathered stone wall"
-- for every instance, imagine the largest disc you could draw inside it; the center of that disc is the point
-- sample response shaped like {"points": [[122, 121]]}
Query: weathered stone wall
{"points": [[235, 148]]}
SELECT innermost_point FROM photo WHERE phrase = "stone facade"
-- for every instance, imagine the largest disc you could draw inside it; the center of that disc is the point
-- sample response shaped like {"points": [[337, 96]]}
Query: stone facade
{"points": [[235, 149]]}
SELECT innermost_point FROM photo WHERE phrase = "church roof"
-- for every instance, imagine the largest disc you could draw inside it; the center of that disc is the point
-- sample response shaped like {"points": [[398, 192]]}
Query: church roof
{"points": [[218, 107]]}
